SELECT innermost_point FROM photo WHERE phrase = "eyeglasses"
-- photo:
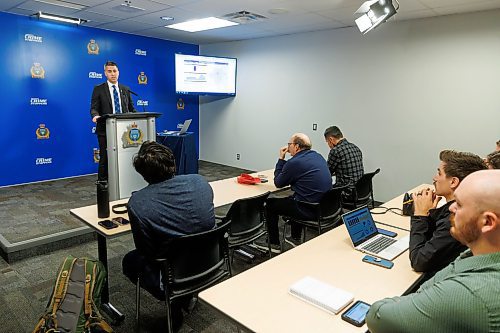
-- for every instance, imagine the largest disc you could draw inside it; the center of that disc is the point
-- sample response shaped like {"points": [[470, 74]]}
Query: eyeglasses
{"points": [[292, 143]]}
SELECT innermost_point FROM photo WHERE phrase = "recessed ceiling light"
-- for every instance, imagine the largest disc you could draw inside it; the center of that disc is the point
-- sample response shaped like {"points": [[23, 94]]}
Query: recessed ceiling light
{"points": [[202, 24], [167, 18]]}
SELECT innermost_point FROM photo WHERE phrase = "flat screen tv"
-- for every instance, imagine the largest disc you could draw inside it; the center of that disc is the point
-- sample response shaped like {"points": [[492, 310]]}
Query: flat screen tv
{"points": [[203, 75]]}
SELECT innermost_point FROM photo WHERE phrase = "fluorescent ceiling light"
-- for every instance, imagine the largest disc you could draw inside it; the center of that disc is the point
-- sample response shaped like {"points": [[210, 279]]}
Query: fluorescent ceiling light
{"points": [[202, 24], [60, 18], [64, 4]]}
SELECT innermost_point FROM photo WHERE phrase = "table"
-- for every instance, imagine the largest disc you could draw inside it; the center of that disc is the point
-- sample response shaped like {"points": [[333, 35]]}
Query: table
{"points": [[225, 191], [258, 301], [395, 220], [184, 148]]}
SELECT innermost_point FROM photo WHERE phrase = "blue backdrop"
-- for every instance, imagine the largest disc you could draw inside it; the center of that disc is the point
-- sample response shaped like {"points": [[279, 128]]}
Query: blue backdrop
{"points": [[48, 71]]}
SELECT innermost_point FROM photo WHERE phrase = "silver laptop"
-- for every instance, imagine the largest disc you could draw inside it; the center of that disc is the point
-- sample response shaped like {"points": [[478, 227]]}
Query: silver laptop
{"points": [[183, 130], [185, 126], [366, 238]]}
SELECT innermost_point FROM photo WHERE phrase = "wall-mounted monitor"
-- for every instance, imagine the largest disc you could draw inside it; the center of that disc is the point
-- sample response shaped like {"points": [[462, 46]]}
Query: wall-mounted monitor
{"points": [[203, 75]]}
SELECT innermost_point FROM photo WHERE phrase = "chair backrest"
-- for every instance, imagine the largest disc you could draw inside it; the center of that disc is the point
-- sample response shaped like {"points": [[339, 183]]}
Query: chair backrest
{"points": [[364, 186], [191, 259], [246, 215], [331, 203]]}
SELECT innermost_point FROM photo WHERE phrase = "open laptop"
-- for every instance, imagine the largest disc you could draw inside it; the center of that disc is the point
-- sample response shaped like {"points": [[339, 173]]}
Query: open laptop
{"points": [[183, 130], [366, 238]]}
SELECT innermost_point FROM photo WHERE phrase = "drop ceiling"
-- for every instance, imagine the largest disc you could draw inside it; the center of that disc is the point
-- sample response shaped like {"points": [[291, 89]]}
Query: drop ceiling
{"points": [[281, 17]]}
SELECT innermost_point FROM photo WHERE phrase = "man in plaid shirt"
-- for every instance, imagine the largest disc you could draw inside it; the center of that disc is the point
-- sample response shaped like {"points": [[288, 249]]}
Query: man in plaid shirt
{"points": [[345, 159]]}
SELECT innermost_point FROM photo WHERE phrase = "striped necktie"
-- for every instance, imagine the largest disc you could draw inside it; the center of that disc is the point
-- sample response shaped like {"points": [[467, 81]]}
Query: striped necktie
{"points": [[116, 100]]}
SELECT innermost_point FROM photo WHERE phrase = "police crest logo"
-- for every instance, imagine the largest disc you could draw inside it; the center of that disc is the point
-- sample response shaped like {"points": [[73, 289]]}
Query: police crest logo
{"points": [[93, 47], [133, 137], [42, 132], [180, 104], [142, 78], [96, 155], [37, 71]]}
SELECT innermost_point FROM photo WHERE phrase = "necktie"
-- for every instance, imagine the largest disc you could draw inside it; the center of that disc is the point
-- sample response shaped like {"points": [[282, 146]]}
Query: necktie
{"points": [[116, 100]]}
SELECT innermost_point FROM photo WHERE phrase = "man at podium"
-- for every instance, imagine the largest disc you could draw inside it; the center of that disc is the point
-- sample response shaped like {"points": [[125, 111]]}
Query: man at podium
{"points": [[108, 98]]}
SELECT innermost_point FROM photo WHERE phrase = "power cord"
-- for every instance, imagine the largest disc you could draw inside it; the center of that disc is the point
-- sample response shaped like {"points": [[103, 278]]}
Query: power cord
{"points": [[394, 210]]}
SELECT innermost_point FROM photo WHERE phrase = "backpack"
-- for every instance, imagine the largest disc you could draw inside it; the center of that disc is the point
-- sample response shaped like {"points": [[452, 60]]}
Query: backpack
{"points": [[73, 306]]}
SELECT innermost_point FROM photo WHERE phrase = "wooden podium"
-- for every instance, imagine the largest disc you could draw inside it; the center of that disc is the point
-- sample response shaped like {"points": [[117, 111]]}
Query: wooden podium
{"points": [[125, 134]]}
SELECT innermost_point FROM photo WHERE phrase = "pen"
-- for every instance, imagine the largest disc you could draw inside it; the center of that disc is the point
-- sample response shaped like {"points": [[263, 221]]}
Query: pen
{"points": [[407, 202]]}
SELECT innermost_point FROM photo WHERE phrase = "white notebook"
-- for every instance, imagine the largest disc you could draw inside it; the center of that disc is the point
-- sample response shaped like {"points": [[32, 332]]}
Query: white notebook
{"points": [[321, 294]]}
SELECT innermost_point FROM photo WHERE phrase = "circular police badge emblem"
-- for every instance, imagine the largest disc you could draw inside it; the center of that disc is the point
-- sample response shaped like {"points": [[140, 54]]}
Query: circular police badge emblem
{"points": [[142, 78], [37, 71], [92, 47], [42, 132]]}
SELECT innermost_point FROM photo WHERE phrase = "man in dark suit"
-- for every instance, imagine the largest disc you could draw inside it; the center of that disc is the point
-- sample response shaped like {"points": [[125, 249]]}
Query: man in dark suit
{"points": [[108, 98]]}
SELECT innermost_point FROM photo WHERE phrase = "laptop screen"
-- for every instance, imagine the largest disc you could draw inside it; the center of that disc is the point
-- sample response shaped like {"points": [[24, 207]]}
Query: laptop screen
{"points": [[360, 225], [185, 126]]}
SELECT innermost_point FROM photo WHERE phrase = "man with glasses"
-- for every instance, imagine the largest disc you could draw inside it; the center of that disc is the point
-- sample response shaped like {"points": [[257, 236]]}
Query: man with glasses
{"points": [[307, 174], [109, 97]]}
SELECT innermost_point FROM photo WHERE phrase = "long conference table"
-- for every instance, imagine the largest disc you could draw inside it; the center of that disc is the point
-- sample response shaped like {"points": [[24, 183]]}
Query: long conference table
{"points": [[257, 300], [226, 191]]}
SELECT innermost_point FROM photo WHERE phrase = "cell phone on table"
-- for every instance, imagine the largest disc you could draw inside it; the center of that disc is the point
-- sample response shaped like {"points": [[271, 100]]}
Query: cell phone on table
{"points": [[356, 314], [387, 233], [108, 224], [378, 261], [120, 220]]}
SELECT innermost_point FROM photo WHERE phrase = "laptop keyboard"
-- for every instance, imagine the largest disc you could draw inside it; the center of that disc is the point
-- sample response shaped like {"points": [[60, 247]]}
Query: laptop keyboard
{"points": [[379, 245]]}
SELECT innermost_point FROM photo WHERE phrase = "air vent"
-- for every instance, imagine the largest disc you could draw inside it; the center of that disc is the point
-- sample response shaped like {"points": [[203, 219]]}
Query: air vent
{"points": [[127, 7], [244, 17]]}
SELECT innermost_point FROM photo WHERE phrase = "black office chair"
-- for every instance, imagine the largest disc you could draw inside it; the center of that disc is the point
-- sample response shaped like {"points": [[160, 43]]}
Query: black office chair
{"points": [[247, 221], [362, 193], [191, 264], [327, 213]]}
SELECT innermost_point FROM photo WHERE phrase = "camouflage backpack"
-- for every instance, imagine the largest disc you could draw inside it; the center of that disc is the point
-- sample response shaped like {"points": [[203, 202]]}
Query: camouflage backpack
{"points": [[73, 306]]}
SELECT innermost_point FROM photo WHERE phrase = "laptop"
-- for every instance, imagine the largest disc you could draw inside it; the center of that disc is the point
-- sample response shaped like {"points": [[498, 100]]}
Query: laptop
{"points": [[366, 238], [183, 130]]}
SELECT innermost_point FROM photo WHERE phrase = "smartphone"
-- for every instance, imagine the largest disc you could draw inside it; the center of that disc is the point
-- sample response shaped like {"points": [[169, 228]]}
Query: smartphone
{"points": [[378, 261], [387, 232], [107, 224], [120, 220], [356, 314]]}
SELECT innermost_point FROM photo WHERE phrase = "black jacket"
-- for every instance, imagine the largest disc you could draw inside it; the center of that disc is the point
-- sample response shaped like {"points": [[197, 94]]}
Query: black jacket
{"points": [[431, 245], [101, 104]]}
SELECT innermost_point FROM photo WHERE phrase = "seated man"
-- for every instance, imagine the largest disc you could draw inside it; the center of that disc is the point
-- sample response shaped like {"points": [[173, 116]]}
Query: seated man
{"points": [[493, 160], [463, 297], [431, 245], [307, 173], [345, 159], [170, 206]]}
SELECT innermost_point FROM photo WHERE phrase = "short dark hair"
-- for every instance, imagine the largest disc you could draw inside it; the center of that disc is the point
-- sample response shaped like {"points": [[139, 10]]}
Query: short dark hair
{"points": [[155, 162], [493, 159], [460, 164], [333, 131], [303, 144], [498, 143], [110, 63]]}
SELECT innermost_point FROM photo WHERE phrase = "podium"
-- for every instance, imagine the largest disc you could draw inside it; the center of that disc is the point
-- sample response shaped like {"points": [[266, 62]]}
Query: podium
{"points": [[125, 134]]}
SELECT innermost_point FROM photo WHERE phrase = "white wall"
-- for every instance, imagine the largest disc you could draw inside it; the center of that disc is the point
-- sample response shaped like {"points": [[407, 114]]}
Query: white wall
{"points": [[402, 93]]}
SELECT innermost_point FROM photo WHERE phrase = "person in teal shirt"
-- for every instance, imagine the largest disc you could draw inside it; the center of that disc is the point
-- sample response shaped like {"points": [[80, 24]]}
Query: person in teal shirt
{"points": [[465, 295]]}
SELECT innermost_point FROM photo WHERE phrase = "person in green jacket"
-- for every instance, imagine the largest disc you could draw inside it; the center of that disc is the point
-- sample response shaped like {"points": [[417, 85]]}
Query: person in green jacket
{"points": [[464, 296]]}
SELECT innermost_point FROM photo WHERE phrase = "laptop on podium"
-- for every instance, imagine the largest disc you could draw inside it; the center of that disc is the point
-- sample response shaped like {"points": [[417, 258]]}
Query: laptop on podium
{"points": [[366, 237]]}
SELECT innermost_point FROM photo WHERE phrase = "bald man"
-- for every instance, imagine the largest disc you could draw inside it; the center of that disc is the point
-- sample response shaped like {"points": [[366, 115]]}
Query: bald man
{"points": [[308, 175], [464, 296]]}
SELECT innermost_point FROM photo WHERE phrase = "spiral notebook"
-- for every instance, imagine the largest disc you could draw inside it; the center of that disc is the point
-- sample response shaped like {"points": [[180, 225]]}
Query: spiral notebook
{"points": [[321, 294]]}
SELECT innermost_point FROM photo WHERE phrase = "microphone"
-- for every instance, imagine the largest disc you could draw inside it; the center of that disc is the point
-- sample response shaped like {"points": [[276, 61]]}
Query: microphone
{"points": [[135, 94]]}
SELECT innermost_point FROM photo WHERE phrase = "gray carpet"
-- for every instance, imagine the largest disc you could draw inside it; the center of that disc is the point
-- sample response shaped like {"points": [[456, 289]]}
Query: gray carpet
{"points": [[25, 285]]}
